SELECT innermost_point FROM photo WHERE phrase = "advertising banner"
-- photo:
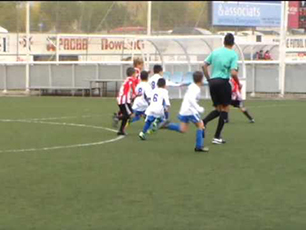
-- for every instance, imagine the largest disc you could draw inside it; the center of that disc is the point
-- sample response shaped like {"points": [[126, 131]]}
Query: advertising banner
{"points": [[293, 15], [247, 13]]}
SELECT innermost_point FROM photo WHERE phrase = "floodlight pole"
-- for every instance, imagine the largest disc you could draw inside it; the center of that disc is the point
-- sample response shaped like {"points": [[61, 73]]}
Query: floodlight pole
{"points": [[282, 48], [28, 47], [149, 19]]}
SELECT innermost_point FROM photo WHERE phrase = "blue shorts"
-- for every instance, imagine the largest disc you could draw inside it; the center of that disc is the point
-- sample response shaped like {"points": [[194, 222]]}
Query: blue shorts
{"points": [[187, 119], [139, 113]]}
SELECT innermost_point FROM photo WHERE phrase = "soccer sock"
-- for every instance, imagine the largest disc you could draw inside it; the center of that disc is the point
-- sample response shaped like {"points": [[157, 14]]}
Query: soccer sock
{"points": [[246, 113], [123, 123], [136, 118], [146, 126], [174, 127], [200, 138], [222, 118], [166, 115], [212, 115]]}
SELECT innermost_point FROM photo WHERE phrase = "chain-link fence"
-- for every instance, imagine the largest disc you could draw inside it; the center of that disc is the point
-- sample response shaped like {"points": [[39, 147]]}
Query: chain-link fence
{"points": [[109, 34]]}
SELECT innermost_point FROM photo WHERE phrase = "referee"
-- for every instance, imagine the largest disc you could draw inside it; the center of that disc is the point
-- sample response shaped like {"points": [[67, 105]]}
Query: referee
{"points": [[224, 65]]}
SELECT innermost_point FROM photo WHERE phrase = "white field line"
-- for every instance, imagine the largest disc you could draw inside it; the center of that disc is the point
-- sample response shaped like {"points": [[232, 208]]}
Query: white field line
{"points": [[59, 123], [55, 118], [60, 147], [268, 106], [44, 121]]}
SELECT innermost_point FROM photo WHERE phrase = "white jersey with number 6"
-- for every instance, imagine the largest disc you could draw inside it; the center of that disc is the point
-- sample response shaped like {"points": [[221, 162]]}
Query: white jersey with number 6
{"points": [[160, 99], [144, 94], [153, 81]]}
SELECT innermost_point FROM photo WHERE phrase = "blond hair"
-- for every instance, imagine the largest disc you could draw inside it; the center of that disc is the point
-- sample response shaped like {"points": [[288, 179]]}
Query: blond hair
{"points": [[137, 61]]}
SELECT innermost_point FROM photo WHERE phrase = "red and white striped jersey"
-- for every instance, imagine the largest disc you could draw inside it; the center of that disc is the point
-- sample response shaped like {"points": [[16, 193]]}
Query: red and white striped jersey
{"points": [[127, 91], [236, 93]]}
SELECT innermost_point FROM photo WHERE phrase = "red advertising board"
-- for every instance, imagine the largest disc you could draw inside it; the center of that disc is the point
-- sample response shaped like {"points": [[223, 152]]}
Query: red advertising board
{"points": [[302, 14], [293, 14], [297, 15]]}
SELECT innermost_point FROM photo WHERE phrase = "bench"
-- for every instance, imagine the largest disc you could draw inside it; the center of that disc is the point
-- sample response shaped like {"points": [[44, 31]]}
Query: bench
{"points": [[103, 82], [43, 88]]}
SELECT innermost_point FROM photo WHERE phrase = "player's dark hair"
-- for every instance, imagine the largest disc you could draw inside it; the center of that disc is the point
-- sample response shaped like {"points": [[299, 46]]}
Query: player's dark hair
{"points": [[161, 82], [197, 76], [130, 71], [144, 75], [229, 39], [157, 69]]}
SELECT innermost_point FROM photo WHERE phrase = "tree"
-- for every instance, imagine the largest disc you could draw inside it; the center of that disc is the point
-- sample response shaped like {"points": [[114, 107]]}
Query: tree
{"points": [[103, 16], [198, 14], [98, 16], [12, 16], [137, 12], [168, 15], [60, 15]]}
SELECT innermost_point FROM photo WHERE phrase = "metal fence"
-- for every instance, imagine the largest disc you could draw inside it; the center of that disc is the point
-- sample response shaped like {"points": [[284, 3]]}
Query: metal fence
{"points": [[261, 77]]}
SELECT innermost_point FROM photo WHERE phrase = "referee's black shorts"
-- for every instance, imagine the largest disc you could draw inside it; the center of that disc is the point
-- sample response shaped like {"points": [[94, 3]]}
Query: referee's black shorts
{"points": [[220, 91], [126, 109]]}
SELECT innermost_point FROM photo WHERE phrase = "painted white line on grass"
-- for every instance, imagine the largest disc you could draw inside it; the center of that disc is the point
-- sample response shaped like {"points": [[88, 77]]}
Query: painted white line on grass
{"points": [[268, 106], [60, 147], [59, 123], [52, 118]]}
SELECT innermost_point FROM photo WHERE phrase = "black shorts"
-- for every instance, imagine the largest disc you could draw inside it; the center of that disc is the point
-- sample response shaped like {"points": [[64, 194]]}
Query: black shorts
{"points": [[237, 103], [220, 91], [126, 109]]}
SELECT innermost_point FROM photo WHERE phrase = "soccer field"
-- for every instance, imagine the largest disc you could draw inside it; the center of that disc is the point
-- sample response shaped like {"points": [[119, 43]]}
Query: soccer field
{"points": [[63, 167]]}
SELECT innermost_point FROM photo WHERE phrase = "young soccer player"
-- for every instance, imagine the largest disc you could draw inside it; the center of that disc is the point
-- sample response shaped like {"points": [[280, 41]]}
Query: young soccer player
{"points": [[190, 111], [126, 94], [237, 101], [158, 73], [142, 101], [138, 65], [156, 109]]}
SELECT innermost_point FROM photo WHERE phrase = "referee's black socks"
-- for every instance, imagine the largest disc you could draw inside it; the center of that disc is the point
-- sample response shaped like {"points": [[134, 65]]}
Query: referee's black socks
{"points": [[212, 115], [223, 117]]}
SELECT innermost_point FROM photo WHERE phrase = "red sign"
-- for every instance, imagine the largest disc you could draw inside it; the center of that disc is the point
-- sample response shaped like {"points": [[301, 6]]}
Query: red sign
{"points": [[302, 14], [67, 43], [107, 44], [293, 16], [74, 43]]}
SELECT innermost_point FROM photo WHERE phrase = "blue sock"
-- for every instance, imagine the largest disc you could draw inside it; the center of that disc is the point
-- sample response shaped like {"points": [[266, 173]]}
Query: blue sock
{"points": [[174, 127], [166, 115], [147, 126], [199, 138], [136, 118]]}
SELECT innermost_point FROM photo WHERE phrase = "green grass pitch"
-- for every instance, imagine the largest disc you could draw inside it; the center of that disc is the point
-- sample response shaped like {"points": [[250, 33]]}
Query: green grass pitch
{"points": [[255, 181]]}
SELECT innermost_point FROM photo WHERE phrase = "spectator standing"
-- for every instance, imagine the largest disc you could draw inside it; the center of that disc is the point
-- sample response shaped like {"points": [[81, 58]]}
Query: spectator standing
{"points": [[267, 55]]}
